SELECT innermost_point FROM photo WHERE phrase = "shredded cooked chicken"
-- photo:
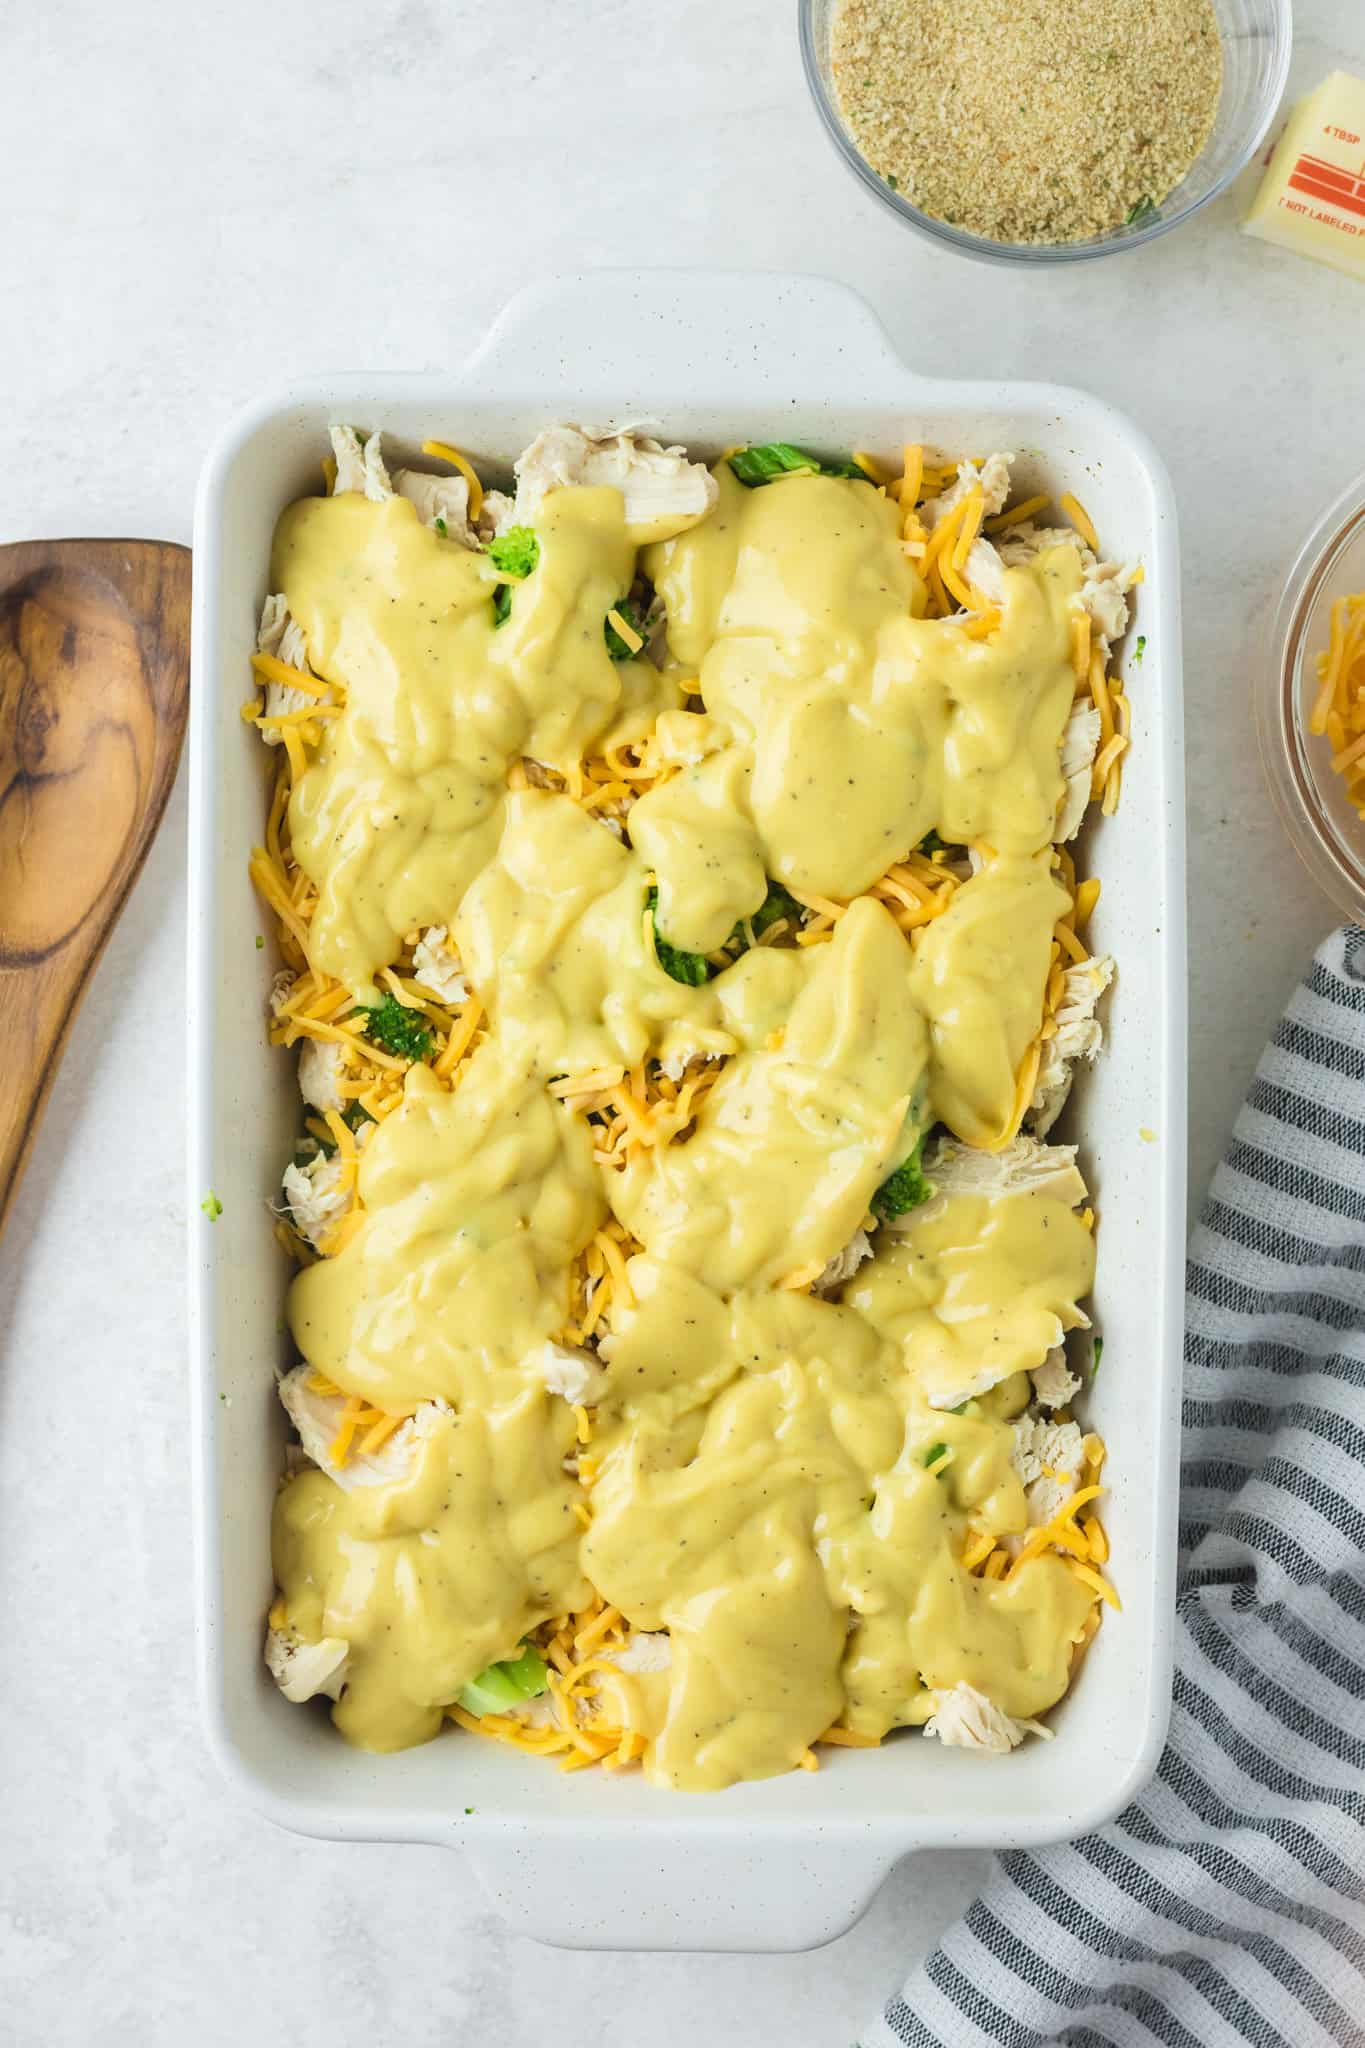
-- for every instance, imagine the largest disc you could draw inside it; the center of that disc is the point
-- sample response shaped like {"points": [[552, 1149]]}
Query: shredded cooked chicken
{"points": [[314, 1194], [573, 1374], [1048, 1457], [1079, 1036], [436, 965], [1080, 742], [304, 1670], [1054, 1382], [664, 493], [964, 1718], [845, 1263], [441, 501], [321, 1062], [993, 475], [278, 634], [1104, 590], [317, 1417], [957, 1169]]}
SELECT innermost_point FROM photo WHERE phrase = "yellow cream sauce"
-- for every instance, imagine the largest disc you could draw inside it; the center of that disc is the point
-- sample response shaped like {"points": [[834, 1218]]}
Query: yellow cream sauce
{"points": [[762, 1490], [855, 725]]}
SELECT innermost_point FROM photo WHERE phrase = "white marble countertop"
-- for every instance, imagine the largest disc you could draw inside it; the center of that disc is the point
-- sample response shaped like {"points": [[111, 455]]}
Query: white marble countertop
{"points": [[200, 202]]}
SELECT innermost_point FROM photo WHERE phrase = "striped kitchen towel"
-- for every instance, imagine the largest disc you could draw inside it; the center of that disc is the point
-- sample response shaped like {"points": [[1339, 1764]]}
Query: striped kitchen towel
{"points": [[1227, 1903]]}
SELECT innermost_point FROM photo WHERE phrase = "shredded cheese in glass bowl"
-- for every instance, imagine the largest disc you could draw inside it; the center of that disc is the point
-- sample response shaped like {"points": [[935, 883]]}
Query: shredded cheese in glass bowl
{"points": [[1311, 702]]}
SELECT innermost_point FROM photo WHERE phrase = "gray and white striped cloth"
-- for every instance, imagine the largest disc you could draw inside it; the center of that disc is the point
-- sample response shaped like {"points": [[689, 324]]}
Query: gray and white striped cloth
{"points": [[1227, 1903]]}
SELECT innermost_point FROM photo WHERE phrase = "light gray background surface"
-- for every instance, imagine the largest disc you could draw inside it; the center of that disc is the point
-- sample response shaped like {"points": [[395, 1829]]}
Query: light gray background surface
{"points": [[200, 202]]}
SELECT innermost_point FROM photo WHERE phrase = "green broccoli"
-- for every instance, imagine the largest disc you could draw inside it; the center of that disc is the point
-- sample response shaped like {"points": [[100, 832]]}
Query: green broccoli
{"points": [[505, 1686], [935, 1455], [516, 553], [778, 903], [617, 648], [692, 969], [754, 466], [904, 1189], [399, 1030]]}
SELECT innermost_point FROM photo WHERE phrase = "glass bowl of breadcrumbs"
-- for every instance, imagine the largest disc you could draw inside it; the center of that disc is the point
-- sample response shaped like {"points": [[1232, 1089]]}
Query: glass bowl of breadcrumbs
{"points": [[1045, 131]]}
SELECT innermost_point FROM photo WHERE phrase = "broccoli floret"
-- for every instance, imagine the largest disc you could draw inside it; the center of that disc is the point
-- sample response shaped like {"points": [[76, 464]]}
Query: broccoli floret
{"points": [[935, 1454], [516, 553], [399, 1030], [776, 904], [760, 465], [904, 1189], [931, 843], [617, 648], [505, 1686], [692, 969]]}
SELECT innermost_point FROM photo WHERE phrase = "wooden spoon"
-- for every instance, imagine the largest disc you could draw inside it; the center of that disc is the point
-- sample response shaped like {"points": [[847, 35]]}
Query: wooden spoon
{"points": [[94, 688]]}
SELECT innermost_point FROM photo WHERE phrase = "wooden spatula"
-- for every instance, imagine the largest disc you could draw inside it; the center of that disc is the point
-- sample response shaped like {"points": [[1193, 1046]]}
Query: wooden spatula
{"points": [[94, 688]]}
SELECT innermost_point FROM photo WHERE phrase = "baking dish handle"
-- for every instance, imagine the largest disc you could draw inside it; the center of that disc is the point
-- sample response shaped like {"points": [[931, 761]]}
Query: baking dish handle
{"points": [[601, 332], [738, 1891]]}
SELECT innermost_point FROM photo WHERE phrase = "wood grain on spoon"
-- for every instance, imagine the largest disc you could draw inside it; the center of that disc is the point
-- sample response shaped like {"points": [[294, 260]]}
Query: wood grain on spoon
{"points": [[94, 688]]}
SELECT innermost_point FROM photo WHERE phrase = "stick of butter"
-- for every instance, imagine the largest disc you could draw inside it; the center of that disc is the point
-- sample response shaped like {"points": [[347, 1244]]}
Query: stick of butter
{"points": [[1312, 198]]}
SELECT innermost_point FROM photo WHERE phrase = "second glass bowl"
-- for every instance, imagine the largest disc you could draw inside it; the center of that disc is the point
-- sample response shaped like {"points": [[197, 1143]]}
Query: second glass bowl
{"points": [[1257, 38], [1318, 815]]}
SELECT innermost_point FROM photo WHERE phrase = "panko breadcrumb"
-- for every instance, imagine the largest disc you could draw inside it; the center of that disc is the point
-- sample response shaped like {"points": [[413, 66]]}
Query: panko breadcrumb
{"points": [[1029, 122]]}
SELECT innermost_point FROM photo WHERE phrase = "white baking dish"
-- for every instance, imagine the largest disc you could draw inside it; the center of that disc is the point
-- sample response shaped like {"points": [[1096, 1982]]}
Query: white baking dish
{"points": [[585, 1859]]}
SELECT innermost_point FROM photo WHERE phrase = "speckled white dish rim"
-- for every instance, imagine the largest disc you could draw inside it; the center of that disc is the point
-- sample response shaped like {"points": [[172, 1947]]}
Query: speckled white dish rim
{"points": [[584, 1859]]}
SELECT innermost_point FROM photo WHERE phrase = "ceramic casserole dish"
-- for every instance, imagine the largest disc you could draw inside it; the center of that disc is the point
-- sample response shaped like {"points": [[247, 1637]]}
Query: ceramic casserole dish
{"points": [[586, 1859]]}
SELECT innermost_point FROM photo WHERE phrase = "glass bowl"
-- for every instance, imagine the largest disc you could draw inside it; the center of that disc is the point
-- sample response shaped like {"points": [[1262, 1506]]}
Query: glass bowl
{"points": [[1257, 36], [1318, 815]]}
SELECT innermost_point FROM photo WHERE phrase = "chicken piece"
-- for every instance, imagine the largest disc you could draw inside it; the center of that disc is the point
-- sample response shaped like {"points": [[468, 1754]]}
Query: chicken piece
{"points": [[574, 1374], [664, 493], [1104, 590], [442, 502], [1048, 1457], [303, 1670], [317, 1417], [279, 634], [1024, 1164], [496, 514], [641, 1653], [321, 1064], [675, 1064], [986, 571], [844, 1264], [1079, 1036], [1080, 742], [281, 987], [314, 1194], [436, 966], [1054, 1382], [965, 1719], [993, 475], [360, 465]]}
